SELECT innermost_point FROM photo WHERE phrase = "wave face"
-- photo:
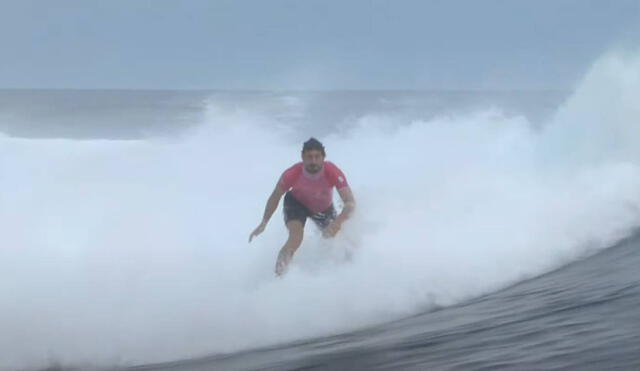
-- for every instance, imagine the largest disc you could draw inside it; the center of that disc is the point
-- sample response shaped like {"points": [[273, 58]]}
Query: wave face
{"points": [[581, 317], [124, 252]]}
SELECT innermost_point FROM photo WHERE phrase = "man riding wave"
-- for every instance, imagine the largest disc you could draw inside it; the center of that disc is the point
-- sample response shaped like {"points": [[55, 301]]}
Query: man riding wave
{"points": [[308, 193]]}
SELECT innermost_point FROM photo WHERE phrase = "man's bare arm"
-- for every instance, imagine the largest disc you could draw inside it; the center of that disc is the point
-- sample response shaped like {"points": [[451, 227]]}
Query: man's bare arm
{"points": [[269, 209], [272, 203], [347, 209], [349, 204]]}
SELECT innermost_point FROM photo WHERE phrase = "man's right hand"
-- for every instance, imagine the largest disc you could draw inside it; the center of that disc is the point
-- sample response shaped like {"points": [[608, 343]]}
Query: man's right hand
{"points": [[259, 229]]}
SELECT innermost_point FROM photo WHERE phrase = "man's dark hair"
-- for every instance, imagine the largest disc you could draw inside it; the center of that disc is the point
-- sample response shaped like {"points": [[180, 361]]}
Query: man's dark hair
{"points": [[313, 143]]}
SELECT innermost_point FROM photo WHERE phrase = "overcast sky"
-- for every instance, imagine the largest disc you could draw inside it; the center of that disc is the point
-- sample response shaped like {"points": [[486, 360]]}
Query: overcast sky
{"points": [[308, 44]]}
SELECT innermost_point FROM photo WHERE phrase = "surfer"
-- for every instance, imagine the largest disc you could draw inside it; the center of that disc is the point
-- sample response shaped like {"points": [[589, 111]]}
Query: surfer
{"points": [[308, 193]]}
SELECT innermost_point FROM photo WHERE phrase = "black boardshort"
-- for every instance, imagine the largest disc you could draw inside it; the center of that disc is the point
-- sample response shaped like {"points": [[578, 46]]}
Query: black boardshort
{"points": [[294, 210]]}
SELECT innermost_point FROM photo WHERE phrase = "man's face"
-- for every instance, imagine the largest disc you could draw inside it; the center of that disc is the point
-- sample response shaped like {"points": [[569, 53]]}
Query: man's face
{"points": [[312, 160]]}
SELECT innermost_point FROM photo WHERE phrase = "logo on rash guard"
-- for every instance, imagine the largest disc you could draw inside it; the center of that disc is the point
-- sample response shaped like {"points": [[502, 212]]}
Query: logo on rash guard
{"points": [[340, 179]]}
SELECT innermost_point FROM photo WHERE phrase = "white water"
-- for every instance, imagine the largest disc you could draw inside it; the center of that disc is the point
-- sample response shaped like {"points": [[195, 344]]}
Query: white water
{"points": [[119, 253]]}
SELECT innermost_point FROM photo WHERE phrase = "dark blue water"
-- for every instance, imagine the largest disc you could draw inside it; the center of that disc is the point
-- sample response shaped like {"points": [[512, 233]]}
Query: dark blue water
{"points": [[584, 316]]}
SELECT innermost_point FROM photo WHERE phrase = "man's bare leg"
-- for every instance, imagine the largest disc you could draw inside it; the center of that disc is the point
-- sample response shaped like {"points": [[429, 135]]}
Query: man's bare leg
{"points": [[296, 232]]}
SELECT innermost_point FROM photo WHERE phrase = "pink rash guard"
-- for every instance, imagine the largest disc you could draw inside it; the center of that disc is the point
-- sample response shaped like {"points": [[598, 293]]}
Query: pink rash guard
{"points": [[314, 191]]}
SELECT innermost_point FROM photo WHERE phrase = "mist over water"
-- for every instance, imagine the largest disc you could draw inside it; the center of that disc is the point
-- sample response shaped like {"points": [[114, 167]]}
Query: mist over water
{"points": [[129, 252]]}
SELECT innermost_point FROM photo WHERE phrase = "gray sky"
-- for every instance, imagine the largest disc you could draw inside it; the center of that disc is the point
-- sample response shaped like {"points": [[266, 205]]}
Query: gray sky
{"points": [[308, 44]]}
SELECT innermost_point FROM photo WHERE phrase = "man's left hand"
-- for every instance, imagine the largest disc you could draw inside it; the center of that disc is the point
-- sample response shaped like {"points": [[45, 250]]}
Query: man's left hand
{"points": [[332, 229]]}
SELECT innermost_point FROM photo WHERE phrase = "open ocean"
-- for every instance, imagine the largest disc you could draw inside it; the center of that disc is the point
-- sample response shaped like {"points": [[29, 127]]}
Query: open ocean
{"points": [[494, 230]]}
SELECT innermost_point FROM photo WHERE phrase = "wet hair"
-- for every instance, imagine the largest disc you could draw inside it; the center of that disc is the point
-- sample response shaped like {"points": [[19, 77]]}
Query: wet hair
{"points": [[313, 143]]}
